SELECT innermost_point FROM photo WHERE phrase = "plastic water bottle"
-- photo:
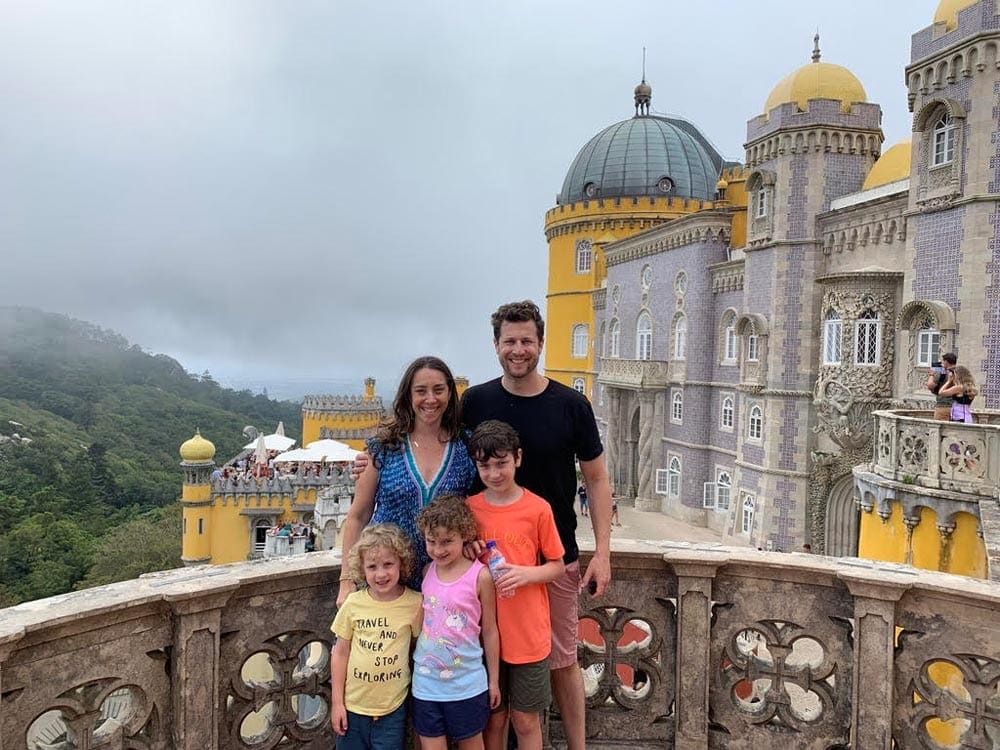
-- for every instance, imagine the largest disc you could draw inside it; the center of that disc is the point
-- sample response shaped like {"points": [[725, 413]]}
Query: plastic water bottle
{"points": [[494, 559]]}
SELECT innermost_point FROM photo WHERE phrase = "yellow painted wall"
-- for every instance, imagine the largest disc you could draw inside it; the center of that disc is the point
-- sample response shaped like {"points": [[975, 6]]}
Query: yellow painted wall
{"points": [[965, 553], [312, 421], [195, 546]]}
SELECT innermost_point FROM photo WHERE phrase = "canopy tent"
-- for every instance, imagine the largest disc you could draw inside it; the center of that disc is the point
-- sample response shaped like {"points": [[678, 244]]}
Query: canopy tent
{"points": [[333, 451], [272, 442], [298, 454]]}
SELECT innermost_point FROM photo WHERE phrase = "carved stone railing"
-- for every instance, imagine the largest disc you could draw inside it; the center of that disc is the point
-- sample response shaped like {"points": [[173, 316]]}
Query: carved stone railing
{"points": [[912, 448], [733, 649], [636, 374]]}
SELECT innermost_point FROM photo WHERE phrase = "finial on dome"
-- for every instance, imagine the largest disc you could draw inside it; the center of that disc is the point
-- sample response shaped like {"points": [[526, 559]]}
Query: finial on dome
{"points": [[816, 47], [643, 92]]}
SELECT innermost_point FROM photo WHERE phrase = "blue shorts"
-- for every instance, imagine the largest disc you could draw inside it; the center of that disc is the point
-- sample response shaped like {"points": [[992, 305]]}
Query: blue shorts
{"points": [[374, 732], [456, 720]]}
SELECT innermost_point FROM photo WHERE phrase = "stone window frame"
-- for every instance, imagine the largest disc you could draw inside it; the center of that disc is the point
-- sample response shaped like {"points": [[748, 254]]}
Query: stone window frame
{"points": [[868, 324], [753, 347], [662, 482], [580, 332], [674, 477], [602, 339], [584, 258], [646, 277], [614, 339], [679, 337], [833, 334], [914, 317], [731, 411], [760, 188], [747, 518], [754, 372], [264, 523], [676, 406], [721, 472], [729, 350], [943, 138], [755, 422], [938, 183], [580, 385], [644, 336]]}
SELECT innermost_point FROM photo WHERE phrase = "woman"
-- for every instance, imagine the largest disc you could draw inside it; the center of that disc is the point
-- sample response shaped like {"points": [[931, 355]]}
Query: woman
{"points": [[417, 455], [961, 386]]}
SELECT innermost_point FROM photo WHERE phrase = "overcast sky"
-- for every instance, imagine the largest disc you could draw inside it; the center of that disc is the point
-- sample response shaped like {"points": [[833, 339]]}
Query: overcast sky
{"points": [[328, 189]]}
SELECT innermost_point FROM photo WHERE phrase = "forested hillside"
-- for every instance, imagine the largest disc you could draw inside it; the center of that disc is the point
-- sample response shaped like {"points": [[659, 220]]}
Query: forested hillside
{"points": [[90, 425]]}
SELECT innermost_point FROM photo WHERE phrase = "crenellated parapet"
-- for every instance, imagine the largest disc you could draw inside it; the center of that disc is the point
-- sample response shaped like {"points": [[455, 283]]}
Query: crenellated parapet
{"points": [[339, 404], [728, 276], [705, 227], [866, 225], [617, 214]]}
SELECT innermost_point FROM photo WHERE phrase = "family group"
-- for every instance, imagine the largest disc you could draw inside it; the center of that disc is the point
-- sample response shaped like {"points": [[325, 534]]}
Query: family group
{"points": [[462, 538]]}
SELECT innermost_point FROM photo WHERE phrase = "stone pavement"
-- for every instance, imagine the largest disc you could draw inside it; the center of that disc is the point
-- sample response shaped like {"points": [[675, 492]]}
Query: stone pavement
{"points": [[647, 525]]}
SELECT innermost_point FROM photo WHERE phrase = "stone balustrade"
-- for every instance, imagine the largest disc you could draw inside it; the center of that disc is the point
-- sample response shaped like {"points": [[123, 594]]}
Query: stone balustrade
{"points": [[692, 647], [634, 373], [914, 449]]}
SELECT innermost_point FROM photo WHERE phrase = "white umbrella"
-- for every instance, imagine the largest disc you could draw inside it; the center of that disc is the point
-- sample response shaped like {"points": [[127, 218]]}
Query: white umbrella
{"points": [[281, 429], [260, 451], [299, 454], [333, 451], [273, 442]]}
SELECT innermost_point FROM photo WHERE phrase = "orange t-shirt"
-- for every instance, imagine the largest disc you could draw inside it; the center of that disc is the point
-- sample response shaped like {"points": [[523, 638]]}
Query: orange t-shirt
{"points": [[522, 530]]}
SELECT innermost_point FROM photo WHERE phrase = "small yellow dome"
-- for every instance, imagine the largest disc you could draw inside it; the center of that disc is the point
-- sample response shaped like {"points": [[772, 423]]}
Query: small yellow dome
{"points": [[892, 166], [817, 80], [947, 12], [197, 449], [721, 184]]}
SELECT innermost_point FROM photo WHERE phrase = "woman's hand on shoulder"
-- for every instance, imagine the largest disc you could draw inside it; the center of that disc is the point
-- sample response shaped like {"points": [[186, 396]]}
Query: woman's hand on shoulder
{"points": [[347, 588], [474, 550]]}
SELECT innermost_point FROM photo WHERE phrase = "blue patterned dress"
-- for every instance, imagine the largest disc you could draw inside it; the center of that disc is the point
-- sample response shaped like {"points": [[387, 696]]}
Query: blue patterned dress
{"points": [[402, 491]]}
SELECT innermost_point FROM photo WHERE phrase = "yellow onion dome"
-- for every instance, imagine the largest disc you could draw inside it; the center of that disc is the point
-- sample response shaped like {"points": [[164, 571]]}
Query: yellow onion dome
{"points": [[197, 449], [947, 12], [892, 166], [817, 80], [721, 184]]}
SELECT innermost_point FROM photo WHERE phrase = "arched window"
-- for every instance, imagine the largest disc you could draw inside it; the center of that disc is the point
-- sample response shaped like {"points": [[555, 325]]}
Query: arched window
{"points": [[723, 488], [674, 477], [680, 338], [644, 336], [749, 505], [614, 339], [867, 338], [755, 424], [581, 338], [603, 341], [753, 348], [760, 203], [677, 407], [728, 410], [832, 327], [580, 385], [729, 340], [584, 256], [944, 141], [260, 534]]}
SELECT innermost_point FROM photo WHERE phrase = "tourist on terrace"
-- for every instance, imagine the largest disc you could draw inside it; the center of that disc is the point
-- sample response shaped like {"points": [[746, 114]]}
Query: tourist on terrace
{"points": [[961, 388], [417, 455], [936, 380]]}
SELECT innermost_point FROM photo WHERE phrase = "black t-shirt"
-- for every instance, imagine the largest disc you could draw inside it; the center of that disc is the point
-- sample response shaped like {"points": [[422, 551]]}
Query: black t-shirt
{"points": [[556, 427]]}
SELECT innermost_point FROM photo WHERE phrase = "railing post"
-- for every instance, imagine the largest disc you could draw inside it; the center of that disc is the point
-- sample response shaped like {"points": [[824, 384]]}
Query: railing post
{"points": [[875, 595], [694, 640], [195, 667]]}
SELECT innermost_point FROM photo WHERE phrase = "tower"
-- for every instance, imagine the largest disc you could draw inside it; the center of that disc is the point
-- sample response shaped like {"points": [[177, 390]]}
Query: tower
{"points": [[350, 419], [197, 456], [633, 175]]}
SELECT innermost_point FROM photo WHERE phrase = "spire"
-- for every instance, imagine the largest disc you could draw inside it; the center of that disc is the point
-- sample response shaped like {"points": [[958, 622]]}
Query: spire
{"points": [[643, 92], [816, 47]]}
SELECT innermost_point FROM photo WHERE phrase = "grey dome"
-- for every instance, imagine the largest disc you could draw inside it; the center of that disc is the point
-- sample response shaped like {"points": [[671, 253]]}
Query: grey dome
{"points": [[631, 158]]}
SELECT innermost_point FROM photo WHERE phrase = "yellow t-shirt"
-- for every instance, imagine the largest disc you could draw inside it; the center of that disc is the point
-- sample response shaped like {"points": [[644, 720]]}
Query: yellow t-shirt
{"points": [[378, 669]]}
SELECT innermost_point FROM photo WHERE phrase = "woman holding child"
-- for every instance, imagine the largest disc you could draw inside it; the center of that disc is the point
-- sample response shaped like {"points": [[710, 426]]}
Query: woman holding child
{"points": [[416, 455]]}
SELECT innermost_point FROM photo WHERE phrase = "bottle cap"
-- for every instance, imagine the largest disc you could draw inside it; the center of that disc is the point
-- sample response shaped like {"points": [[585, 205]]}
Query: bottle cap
{"points": [[491, 543]]}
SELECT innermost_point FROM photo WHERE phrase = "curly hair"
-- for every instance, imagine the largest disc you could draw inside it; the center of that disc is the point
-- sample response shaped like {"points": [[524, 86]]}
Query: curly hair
{"points": [[387, 536], [392, 430], [518, 312], [448, 512]]}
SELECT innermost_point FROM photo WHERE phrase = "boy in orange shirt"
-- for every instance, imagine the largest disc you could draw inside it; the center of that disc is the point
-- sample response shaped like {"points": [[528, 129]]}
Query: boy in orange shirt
{"points": [[522, 525]]}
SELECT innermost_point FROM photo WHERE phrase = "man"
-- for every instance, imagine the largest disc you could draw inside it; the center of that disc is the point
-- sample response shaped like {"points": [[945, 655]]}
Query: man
{"points": [[936, 379], [557, 428]]}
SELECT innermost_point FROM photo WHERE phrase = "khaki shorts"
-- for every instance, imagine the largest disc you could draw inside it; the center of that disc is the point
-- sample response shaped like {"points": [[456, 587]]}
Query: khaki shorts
{"points": [[525, 687], [942, 413], [564, 616]]}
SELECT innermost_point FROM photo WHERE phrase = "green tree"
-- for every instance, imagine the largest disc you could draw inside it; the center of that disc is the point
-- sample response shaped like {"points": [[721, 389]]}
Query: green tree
{"points": [[145, 544], [43, 556]]}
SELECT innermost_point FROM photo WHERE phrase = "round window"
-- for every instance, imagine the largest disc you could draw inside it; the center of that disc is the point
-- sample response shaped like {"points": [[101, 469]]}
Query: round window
{"points": [[681, 283], [647, 277], [664, 184], [590, 189]]}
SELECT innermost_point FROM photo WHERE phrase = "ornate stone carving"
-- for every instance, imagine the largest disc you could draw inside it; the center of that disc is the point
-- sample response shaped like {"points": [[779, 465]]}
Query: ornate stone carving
{"points": [[634, 374], [843, 416]]}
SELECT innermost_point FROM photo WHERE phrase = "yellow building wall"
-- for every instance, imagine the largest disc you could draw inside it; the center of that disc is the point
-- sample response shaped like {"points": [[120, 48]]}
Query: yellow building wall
{"points": [[569, 299], [195, 546], [312, 422], [964, 554]]}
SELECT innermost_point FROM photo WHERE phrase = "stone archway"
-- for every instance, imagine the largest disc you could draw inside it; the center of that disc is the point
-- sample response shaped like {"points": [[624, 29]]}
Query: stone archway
{"points": [[633, 454], [842, 518]]}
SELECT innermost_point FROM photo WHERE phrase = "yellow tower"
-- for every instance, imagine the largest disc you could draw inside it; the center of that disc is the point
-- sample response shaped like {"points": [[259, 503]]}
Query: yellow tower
{"points": [[349, 419], [197, 456], [633, 175]]}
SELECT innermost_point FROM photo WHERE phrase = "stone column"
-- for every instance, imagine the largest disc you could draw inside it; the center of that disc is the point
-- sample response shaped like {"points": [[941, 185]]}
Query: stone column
{"points": [[195, 668], [694, 631], [645, 498], [6, 649], [875, 596], [613, 448]]}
